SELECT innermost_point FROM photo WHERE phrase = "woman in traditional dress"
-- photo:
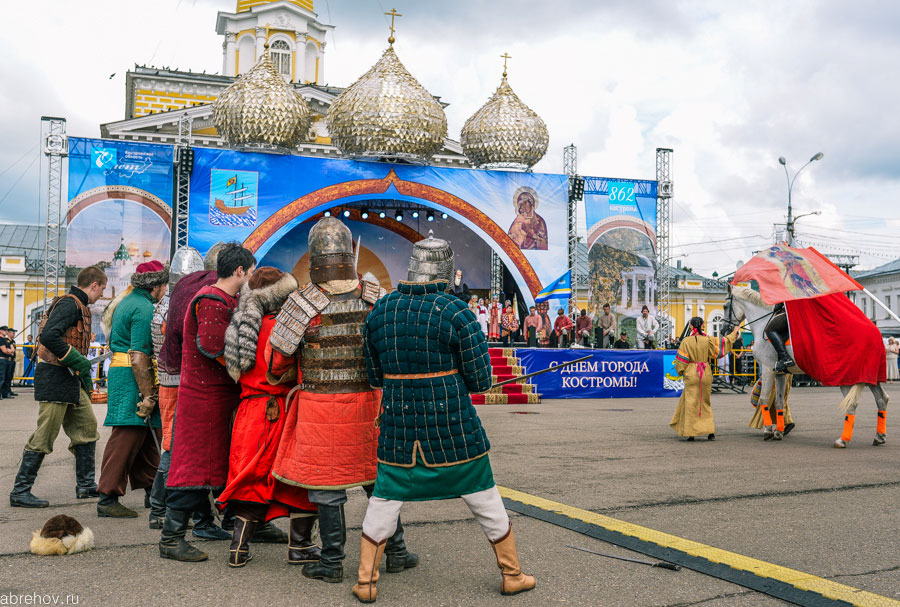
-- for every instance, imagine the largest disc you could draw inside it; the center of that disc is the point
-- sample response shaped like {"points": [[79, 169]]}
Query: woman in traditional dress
{"points": [[509, 323], [546, 325], [481, 313], [693, 415], [892, 350], [495, 310], [252, 492], [473, 304]]}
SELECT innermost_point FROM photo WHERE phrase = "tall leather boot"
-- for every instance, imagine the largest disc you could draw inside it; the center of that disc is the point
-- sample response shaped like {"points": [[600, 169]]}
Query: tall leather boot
{"points": [[85, 486], [369, 557], [268, 533], [398, 557], [109, 506], [20, 496], [171, 540], [333, 532], [301, 548], [512, 581], [784, 359], [239, 551]]}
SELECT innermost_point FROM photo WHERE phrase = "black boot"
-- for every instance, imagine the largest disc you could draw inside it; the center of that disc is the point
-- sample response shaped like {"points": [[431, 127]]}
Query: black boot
{"points": [[171, 541], [268, 533], [398, 557], [20, 496], [205, 528], [300, 546], [239, 551], [158, 500], [109, 506], [784, 359], [85, 486], [333, 532]]}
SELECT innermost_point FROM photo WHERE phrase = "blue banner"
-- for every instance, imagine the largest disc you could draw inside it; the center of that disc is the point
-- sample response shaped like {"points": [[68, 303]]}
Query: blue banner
{"points": [[561, 288], [607, 374]]}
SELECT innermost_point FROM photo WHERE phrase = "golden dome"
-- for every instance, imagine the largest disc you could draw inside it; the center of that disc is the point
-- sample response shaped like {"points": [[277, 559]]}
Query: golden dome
{"points": [[504, 133], [147, 254], [261, 107], [387, 114]]}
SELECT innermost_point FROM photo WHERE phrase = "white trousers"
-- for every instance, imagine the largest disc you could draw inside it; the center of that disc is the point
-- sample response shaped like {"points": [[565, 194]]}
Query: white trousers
{"points": [[487, 506]]}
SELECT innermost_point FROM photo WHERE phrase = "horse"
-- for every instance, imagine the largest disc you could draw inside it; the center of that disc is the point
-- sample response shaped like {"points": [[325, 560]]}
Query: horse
{"points": [[742, 304]]}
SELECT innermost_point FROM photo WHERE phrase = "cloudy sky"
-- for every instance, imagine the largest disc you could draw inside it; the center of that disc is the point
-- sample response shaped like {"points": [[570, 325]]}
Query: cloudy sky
{"points": [[729, 86]]}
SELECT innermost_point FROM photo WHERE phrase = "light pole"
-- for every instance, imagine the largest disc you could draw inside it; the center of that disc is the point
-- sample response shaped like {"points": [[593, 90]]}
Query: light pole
{"points": [[790, 182]]}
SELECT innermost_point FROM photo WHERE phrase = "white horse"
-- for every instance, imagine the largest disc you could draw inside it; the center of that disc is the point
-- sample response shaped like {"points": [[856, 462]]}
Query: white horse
{"points": [[744, 303]]}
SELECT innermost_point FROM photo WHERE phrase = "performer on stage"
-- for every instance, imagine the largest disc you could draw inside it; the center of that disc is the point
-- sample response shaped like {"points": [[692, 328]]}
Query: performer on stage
{"points": [[605, 328], [561, 328], [207, 398], [583, 329], [459, 288], [62, 385], [481, 313], [509, 323], [131, 453], [495, 310], [533, 326], [253, 494], [329, 440], [432, 445], [693, 415], [546, 325]]}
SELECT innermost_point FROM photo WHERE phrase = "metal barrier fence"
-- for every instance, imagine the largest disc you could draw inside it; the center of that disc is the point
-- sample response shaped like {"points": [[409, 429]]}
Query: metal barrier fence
{"points": [[741, 365]]}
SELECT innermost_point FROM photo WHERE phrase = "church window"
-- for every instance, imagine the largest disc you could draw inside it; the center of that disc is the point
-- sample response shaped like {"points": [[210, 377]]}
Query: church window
{"points": [[281, 57]]}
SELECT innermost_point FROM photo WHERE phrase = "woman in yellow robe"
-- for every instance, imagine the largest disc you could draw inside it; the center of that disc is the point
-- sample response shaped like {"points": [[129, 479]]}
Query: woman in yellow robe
{"points": [[693, 415]]}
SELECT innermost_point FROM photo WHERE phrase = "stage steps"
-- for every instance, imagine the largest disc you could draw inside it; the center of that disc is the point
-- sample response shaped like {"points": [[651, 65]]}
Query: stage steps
{"points": [[505, 366]]}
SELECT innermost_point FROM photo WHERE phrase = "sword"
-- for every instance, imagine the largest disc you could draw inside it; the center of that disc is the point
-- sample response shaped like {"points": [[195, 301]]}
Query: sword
{"points": [[547, 370], [100, 358]]}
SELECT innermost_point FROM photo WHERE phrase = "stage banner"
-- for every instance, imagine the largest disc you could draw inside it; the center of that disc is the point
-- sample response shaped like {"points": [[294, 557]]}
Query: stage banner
{"points": [[607, 374], [119, 211], [263, 201], [621, 239]]}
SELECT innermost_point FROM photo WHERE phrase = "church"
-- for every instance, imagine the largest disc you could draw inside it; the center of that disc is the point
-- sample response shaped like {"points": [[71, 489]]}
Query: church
{"points": [[156, 99]]}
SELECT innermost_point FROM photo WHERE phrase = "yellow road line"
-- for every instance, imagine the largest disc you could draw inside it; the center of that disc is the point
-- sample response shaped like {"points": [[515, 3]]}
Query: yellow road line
{"points": [[798, 579]]}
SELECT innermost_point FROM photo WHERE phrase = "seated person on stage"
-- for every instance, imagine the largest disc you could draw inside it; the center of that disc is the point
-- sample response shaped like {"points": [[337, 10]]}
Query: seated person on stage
{"points": [[605, 328], [622, 342], [560, 337], [646, 329], [777, 332], [583, 329]]}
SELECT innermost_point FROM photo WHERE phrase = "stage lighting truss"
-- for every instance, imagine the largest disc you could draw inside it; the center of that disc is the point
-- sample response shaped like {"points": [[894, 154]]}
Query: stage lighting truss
{"points": [[576, 188]]}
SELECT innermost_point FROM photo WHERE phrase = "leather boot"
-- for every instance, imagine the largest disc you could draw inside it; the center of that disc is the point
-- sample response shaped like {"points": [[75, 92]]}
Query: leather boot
{"points": [[239, 551], [171, 541], [333, 532], [784, 359], [269, 533], [397, 556], [512, 581], [369, 557], [109, 506], [85, 486], [301, 548], [20, 496], [205, 528]]}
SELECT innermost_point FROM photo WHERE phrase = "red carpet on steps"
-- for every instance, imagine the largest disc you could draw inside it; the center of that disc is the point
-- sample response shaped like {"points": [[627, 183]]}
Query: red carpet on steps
{"points": [[512, 399]]}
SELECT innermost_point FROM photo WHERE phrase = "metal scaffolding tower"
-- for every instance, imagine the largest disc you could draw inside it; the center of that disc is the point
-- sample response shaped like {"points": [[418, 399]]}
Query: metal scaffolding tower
{"points": [[184, 161], [496, 273], [55, 144], [570, 168], [663, 244]]}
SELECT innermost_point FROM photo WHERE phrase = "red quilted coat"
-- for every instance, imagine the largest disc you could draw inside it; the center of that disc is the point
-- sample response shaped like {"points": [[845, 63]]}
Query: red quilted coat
{"points": [[329, 441], [207, 396], [255, 439]]}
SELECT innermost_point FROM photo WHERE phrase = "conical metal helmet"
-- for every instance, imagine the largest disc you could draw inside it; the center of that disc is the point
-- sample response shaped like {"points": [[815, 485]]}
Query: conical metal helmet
{"points": [[186, 260], [331, 251], [431, 260]]}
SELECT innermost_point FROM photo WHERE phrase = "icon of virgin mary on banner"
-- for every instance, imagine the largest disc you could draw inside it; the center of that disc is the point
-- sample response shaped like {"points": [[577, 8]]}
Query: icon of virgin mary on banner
{"points": [[528, 229]]}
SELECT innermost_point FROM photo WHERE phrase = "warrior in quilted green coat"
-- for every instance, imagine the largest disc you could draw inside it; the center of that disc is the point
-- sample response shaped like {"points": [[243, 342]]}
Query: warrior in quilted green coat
{"points": [[426, 350], [131, 453]]}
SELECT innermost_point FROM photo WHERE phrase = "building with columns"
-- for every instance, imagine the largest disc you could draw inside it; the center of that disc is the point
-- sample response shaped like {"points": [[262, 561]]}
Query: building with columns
{"points": [[157, 98], [884, 283]]}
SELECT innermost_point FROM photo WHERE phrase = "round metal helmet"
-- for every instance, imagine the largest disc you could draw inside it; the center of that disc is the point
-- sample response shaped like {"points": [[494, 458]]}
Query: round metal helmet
{"points": [[212, 256], [331, 251], [186, 260], [432, 259]]}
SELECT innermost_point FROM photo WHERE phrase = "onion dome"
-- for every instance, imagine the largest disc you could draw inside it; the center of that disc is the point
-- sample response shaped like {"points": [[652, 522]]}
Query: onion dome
{"points": [[387, 114], [261, 107], [504, 133]]}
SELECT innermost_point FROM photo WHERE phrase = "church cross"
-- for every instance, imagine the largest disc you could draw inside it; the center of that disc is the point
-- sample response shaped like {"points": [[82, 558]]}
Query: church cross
{"points": [[505, 56], [393, 14]]}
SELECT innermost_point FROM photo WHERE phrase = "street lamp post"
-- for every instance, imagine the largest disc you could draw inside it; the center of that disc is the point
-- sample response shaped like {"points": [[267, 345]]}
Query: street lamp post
{"points": [[790, 182]]}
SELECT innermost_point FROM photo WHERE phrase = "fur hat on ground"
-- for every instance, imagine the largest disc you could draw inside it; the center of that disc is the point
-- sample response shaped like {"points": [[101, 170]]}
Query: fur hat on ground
{"points": [[150, 274], [264, 293], [62, 535]]}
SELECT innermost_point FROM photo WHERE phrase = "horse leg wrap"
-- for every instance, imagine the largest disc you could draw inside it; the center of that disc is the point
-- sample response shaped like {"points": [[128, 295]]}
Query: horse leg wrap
{"points": [[767, 416], [847, 434], [780, 422], [881, 428]]}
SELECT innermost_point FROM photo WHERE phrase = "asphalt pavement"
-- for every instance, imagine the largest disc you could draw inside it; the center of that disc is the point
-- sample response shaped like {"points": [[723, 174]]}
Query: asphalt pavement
{"points": [[798, 503]]}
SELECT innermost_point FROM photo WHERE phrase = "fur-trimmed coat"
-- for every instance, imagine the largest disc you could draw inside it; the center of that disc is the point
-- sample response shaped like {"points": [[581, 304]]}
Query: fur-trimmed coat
{"points": [[243, 333]]}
